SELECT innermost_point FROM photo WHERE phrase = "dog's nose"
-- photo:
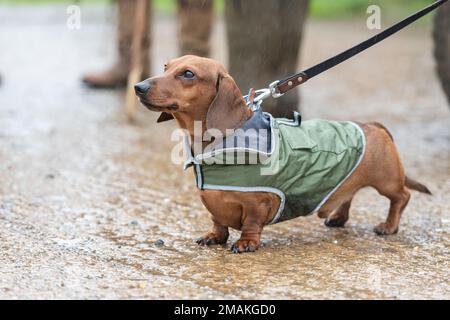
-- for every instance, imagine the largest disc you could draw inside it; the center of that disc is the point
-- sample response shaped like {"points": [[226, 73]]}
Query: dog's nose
{"points": [[142, 88]]}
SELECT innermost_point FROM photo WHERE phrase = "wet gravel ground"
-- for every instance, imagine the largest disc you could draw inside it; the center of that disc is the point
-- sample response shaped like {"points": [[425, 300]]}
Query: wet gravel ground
{"points": [[92, 207]]}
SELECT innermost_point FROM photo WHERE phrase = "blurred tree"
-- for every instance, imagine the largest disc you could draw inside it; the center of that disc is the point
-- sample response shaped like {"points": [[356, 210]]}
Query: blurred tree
{"points": [[264, 38]]}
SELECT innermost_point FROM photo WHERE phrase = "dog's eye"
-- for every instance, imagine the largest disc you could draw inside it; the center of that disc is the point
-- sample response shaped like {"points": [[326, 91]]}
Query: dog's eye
{"points": [[188, 74]]}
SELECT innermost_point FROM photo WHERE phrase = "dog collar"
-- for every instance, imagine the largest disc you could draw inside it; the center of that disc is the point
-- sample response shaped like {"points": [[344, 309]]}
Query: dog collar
{"points": [[255, 138]]}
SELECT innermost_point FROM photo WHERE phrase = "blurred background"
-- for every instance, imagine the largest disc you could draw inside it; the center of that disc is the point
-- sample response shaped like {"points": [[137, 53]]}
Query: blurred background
{"points": [[92, 207]]}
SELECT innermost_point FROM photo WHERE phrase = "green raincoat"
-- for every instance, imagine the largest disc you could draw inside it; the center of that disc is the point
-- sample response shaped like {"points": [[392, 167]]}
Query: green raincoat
{"points": [[301, 162]]}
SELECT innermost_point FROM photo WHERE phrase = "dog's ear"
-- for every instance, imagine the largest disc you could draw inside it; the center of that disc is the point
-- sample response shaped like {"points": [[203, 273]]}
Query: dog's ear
{"points": [[227, 110], [164, 116]]}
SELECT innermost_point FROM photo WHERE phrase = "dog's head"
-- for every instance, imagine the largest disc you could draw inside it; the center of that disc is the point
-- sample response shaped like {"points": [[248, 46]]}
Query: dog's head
{"points": [[194, 89]]}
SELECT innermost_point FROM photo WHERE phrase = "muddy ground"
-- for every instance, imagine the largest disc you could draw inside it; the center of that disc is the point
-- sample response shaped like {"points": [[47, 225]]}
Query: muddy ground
{"points": [[91, 206]]}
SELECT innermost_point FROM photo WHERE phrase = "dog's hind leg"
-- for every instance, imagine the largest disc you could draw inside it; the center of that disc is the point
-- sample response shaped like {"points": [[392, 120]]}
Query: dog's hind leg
{"points": [[339, 217], [399, 200], [386, 175]]}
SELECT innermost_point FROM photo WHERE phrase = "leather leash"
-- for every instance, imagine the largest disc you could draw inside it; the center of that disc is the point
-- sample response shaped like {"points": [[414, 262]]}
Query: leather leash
{"points": [[278, 88]]}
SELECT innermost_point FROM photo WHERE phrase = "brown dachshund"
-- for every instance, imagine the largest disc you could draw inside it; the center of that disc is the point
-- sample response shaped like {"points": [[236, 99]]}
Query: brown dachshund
{"points": [[200, 89]]}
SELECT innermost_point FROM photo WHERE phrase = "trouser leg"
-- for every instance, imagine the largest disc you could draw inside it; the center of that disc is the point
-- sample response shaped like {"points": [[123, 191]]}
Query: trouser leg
{"points": [[194, 26], [264, 38], [117, 74]]}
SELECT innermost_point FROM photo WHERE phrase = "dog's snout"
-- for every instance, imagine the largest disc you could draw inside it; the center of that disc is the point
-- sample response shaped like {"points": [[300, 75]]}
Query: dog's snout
{"points": [[142, 87]]}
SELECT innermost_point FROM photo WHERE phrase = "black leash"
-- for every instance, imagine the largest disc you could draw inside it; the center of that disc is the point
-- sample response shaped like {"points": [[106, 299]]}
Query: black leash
{"points": [[280, 87]]}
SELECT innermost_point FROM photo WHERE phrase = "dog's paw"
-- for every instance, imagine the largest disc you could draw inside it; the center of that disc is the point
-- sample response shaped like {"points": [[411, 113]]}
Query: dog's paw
{"points": [[211, 239], [334, 223], [383, 229], [244, 246]]}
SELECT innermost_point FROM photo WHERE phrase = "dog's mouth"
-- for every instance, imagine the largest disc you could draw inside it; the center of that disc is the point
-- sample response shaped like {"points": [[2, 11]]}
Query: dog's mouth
{"points": [[159, 108]]}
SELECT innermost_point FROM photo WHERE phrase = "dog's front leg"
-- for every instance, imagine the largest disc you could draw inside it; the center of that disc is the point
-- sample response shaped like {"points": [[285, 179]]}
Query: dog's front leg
{"points": [[249, 241], [252, 226], [219, 235]]}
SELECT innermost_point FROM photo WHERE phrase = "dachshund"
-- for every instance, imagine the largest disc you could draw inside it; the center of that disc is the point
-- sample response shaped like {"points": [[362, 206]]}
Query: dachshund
{"points": [[194, 89]]}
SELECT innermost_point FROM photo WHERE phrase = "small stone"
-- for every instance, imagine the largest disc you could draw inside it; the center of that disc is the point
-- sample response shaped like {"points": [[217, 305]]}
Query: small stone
{"points": [[335, 241], [159, 242], [142, 285]]}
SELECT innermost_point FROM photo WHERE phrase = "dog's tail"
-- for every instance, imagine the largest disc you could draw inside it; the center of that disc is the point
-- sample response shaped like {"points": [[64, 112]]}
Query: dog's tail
{"points": [[414, 185]]}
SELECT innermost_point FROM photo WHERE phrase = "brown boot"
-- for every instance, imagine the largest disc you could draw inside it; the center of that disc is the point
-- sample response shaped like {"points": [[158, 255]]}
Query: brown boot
{"points": [[194, 26], [117, 75]]}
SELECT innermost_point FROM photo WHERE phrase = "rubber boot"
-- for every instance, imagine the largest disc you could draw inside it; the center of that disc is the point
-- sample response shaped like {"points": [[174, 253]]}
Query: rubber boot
{"points": [[117, 75], [194, 26]]}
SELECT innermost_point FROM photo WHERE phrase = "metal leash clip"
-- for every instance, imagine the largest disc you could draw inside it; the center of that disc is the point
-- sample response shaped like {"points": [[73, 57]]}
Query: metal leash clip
{"points": [[274, 90], [271, 91], [255, 98]]}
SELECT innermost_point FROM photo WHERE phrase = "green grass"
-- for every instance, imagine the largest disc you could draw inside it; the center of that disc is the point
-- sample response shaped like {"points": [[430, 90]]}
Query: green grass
{"points": [[345, 8], [318, 8], [166, 6]]}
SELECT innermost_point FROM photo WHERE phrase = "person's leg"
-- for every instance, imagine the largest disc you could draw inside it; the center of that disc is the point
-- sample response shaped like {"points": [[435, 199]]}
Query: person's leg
{"points": [[117, 74], [194, 26], [264, 39]]}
